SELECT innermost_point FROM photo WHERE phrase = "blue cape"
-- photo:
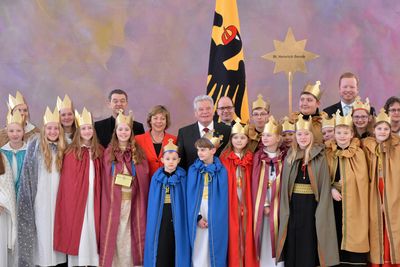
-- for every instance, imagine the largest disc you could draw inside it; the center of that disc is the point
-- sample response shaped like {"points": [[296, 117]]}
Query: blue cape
{"points": [[217, 207], [176, 183]]}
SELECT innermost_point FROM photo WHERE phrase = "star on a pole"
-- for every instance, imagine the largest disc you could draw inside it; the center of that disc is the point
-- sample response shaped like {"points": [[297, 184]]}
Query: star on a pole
{"points": [[290, 55]]}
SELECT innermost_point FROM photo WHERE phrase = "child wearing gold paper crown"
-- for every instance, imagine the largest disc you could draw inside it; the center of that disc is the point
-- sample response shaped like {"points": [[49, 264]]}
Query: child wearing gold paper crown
{"points": [[309, 103], [14, 104], [307, 233], [328, 128], [259, 117], [38, 193], [8, 223], [167, 237], [288, 134], [15, 148], [383, 157], [237, 159], [266, 185], [77, 217], [349, 177], [363, 121], [124, 192], [207, 205], [67, 117]]}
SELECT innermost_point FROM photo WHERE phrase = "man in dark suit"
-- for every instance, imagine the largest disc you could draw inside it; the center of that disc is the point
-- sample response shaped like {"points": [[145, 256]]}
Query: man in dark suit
{"points": [[117, 101], [348, 91], [188, 135]]}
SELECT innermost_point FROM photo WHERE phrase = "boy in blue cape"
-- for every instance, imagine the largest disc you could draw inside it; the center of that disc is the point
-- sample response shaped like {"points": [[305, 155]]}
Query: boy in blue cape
{"points": [[167, 238], [207, 203]]}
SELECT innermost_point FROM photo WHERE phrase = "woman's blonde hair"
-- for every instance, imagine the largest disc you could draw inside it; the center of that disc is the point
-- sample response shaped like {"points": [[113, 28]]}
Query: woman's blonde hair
{"points": [[296, 148], [47, 155], [136, 150], [76, 145]]}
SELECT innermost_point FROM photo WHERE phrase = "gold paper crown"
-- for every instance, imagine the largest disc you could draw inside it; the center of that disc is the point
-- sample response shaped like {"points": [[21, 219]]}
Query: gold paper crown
{"points": [[303, 124], [170, 147], [358, 104], [84, 118], [65, 103], [343, 120], [15, 101], [127, 119], [215, 141], [260, 103], [382, 116], [14, 117], [239, 128], [51, 116], [287, 126], [313, 89], [271, 127], [328, 122]]}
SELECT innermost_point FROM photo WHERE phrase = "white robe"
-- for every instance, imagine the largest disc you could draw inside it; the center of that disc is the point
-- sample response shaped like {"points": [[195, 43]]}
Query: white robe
{"points": [[8, 223], [87, 254], [45, 205]]}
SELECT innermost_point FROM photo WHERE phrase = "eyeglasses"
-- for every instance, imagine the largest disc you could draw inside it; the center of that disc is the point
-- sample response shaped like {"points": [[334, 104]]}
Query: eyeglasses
{"points": [[364, 117], [225, 108], [262, 114], [393, 110]]}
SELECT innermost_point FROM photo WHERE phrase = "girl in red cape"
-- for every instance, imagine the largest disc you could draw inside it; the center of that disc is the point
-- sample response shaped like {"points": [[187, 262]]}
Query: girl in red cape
{"points": [[77, 218], [237, 159], [125, 187]]}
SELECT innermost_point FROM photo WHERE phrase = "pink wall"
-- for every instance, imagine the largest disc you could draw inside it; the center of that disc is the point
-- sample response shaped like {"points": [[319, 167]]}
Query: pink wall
{"points": [[158, 51]]}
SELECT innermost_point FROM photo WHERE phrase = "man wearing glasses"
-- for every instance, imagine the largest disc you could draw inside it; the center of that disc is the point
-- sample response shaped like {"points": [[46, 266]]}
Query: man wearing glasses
{"points": [[226, 111], [259, 117]]}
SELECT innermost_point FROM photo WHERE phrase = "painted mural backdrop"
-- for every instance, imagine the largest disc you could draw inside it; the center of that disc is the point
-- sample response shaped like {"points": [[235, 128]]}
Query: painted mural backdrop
{"points": [[158, 51]]}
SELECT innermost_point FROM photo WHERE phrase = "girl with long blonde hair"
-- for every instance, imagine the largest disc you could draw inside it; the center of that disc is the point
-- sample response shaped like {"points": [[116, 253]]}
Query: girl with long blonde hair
{"points": [[307, 233], [38, 193]]}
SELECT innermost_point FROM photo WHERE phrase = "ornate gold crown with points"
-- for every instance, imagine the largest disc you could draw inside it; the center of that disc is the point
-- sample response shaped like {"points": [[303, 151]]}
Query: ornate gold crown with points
{"points": [[14, 117], [65, 103], [51, 116], [271, 127], [260, 103], [382, 116], [15, 101], [84, 118], [239, 128], [170, 147], [313, 89], [328, 122], [215, 140], [287, 126], [358, 104], [303, 124], [127, 119], [343, 120]]}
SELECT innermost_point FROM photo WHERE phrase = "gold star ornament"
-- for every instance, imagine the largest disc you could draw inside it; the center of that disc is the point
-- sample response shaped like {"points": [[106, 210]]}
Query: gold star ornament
{"points": [[290, 55]]}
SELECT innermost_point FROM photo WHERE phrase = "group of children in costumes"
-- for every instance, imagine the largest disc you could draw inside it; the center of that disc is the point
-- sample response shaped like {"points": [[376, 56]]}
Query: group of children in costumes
{"points": [[258, 204]]}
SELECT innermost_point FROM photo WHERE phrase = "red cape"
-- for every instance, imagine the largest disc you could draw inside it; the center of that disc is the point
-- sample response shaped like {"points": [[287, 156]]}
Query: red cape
{"points": [[111, 208], [231, 161], [71, 201], [146, 143]]}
